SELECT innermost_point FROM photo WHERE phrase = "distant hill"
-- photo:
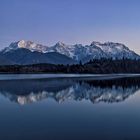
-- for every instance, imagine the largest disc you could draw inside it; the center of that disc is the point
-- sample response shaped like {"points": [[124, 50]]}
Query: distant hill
{"points": [[5, 61], [25, 56]]}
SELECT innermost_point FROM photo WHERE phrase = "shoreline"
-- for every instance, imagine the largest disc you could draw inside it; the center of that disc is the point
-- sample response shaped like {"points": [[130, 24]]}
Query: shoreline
{"points": [[58, 76]]}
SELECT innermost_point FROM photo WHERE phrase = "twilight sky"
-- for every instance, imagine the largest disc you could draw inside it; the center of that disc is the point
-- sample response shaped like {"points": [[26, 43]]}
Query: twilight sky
{"points": [[70, 21]]}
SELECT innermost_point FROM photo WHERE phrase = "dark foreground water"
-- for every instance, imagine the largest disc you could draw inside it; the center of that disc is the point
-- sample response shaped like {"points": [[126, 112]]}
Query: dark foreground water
{"points": [[70, 109]]}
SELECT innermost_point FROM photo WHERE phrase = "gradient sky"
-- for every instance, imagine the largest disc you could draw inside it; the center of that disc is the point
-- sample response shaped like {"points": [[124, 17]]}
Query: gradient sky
{"points": [[70, 21]]}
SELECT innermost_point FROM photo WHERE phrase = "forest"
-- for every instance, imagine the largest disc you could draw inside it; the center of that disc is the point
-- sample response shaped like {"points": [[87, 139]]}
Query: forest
{"points": [[102, 66]]}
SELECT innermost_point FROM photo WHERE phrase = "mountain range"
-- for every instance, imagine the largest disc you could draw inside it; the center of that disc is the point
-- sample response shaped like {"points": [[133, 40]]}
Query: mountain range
{"points": [[27, 52]]}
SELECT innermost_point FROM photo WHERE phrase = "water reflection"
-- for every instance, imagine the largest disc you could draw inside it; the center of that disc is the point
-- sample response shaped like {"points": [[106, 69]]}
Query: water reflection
{"points": [[62, 90]]}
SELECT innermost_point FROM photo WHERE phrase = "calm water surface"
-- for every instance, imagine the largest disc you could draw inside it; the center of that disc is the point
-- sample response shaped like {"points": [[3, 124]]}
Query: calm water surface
{"points": [[70, 109]]}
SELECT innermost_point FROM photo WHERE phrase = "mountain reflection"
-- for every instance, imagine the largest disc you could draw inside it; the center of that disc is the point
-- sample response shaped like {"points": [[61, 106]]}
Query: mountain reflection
{"points": [[110, 91]]}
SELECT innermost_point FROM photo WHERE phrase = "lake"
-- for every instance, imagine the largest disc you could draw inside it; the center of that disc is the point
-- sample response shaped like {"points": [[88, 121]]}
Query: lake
{"points": [[70, 107]]}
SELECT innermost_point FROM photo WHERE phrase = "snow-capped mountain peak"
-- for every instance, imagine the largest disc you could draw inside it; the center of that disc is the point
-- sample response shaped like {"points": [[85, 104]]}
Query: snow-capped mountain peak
{"points": [[26, 45], [59, 43], [95, 43], [22, 44], [116, 50]]}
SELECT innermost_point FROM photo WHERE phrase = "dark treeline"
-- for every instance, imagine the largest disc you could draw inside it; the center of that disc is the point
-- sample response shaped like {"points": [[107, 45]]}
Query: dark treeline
{"points": [[103, 66]]}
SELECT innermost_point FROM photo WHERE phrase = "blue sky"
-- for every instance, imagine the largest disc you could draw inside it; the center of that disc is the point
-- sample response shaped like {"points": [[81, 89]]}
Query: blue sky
{"points": [[70, 21]]}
